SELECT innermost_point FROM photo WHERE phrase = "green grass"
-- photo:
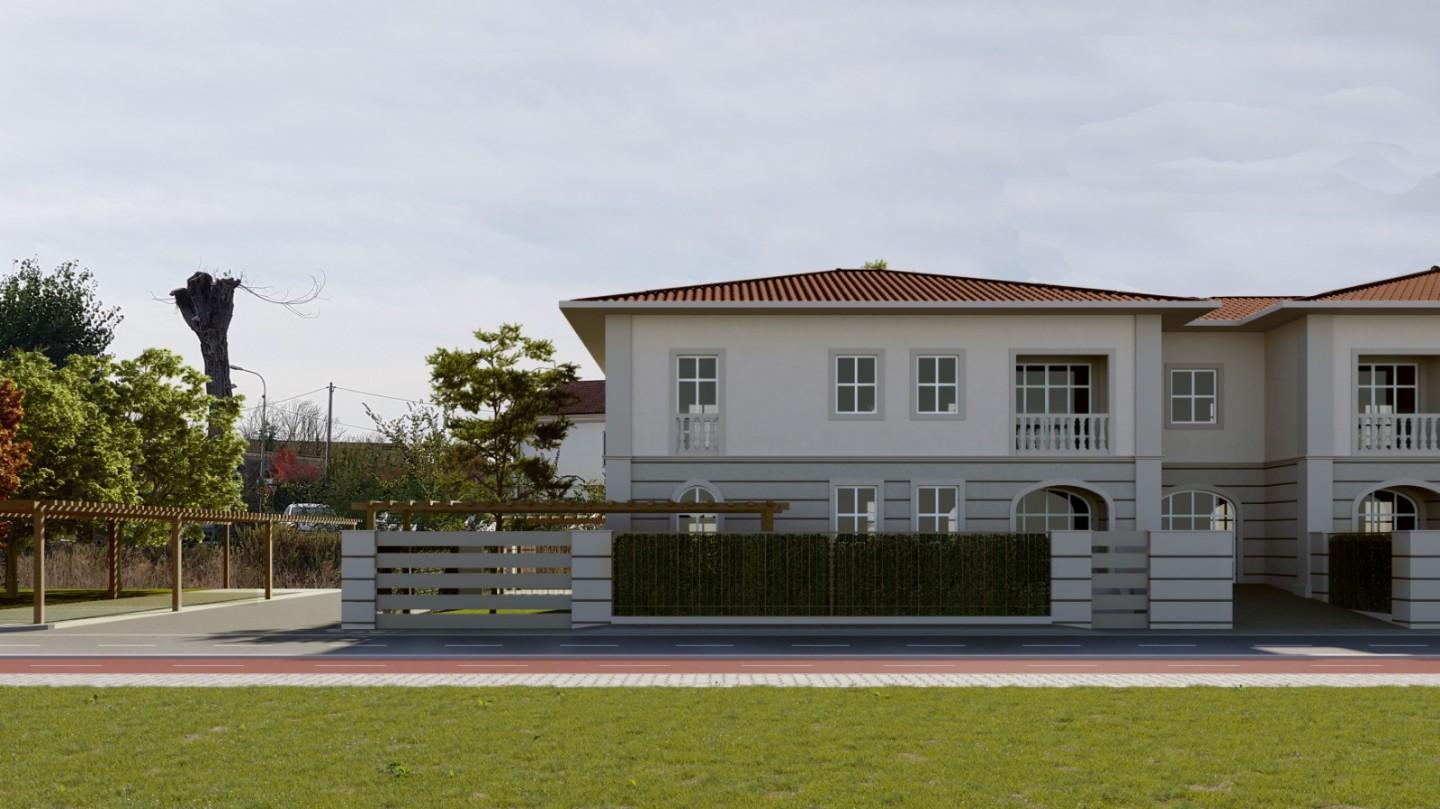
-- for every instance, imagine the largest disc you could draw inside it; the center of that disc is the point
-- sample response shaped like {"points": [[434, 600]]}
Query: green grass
{"points": [[71, 596], [753, 747]]}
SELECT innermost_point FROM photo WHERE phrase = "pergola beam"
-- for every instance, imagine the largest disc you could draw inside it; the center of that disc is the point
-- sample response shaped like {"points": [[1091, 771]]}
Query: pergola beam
{"points": [[767, 509]]}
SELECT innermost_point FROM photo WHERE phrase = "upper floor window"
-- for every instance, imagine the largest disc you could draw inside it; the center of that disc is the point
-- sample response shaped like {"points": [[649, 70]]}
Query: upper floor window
{"points": [[1049, 389], [937, 509], [856, 384], [1194, 396], [937, 384], [697, 384], [699, 522], [1389, 388], [856, 509]]}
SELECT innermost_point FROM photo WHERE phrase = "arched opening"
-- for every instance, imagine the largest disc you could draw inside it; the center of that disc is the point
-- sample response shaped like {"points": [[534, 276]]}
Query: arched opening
{"points": [[1197, 510], [1387, 510], [698, 521], [1059, 508]]}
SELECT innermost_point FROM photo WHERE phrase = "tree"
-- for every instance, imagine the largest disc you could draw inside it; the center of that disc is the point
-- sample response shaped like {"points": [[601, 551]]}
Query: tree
{"points": [[14, 459], [876, 264], [57, 313], [502, 398], [423, 455]]}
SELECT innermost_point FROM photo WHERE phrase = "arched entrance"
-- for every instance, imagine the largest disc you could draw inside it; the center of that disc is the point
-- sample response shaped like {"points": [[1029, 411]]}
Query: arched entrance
{"points": [[1199, 510], [1059, 507]]}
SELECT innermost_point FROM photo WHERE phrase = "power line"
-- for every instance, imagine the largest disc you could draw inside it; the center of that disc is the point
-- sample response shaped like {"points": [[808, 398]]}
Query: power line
{"points": [[385, 396]]}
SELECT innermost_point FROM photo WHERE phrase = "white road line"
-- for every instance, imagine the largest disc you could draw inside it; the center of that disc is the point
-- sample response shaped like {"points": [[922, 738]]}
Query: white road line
{"points": [[1061, 665], [1051, 645], [777, 665], [207, 665], [1344, 665], [492, 665], [820, 645], [473, 645], [126, 645], [351, 665], [704, 646], [935, 646], [1166, 645], [588, 645], [370, 646], [635, 665], [1203, 665]]}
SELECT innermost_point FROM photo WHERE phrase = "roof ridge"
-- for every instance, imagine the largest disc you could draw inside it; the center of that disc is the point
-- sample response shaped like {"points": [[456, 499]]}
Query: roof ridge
{"points": [[788, 279], [1370, 284]]}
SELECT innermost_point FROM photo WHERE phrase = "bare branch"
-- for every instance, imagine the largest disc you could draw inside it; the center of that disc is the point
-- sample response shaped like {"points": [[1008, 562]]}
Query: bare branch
{"points": [[292, 303]]}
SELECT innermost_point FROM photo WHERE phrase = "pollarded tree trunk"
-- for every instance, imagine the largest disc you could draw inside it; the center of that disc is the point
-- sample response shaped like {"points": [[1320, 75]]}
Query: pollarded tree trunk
{"points": [[207, 304]]}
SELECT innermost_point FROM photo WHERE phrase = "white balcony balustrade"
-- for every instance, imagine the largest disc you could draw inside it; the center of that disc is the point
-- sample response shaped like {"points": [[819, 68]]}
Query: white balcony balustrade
{"points": [[1398, 433], [697, 434], [1063, 434]]}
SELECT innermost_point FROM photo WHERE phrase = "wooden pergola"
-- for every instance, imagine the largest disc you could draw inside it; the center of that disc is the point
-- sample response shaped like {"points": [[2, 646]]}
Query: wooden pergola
{"points": [[115, 514], [570, 511]]}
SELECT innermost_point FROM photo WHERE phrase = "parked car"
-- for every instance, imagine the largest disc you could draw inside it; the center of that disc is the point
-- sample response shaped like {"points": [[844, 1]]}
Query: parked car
{"points": [[308, 510]]}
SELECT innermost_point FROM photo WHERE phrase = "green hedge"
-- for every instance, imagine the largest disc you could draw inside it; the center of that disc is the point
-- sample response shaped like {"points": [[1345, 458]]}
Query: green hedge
{"points": [[800, 575], [1360, 571]]}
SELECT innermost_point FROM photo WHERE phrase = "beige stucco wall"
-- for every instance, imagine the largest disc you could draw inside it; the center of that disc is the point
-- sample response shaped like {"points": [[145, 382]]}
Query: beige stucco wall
{"points": [[776, 378], [1240, 435]]}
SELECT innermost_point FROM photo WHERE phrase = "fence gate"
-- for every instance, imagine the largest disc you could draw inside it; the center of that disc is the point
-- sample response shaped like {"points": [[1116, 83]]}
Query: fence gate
{"points": [[459, 580]]}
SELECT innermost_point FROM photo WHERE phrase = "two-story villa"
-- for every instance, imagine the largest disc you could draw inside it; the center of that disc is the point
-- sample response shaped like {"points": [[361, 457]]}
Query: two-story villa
{"points": [[879, 400]]}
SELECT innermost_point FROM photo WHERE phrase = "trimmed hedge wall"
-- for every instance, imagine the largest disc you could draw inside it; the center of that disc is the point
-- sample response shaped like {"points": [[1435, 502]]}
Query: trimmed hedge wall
{"points": [[1360, 571], [797, 575]]}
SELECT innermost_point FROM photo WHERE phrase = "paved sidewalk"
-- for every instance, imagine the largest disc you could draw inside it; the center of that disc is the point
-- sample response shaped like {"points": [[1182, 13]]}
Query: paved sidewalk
{"points": [[728, 680]]}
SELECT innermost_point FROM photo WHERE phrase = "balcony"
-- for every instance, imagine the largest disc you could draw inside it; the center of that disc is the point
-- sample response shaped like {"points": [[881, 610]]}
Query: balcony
{"points": [[697, 434], [1063, 434], [1398, 433]]}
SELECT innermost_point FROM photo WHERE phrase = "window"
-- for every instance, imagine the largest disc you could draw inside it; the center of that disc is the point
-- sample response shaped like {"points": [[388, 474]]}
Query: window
{"points": [[1194, 397], [1389, 388], [1196, 511], [856, 509], [697, 384], [937, 509], [1386, 510], [937, 384], [1047, 510], [856, 388], [697, 523], [1052, 389]]}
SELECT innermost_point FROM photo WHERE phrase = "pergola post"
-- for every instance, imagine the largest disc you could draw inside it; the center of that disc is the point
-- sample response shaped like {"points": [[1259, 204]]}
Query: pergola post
{"points": [[225, 560], [269, 559], [175, 562], [767, 522], [12, 561], [37, 586], [112, 583]]}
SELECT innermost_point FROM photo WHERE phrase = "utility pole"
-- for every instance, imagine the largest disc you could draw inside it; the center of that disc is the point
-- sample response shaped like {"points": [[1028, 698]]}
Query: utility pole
{"points": [[329, 427]]}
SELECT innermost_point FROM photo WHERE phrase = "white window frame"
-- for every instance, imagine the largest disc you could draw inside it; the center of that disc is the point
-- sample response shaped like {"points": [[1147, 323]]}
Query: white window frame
{"points": [[878, 386], [1190, 518], [955, 516], [1394, 387], [1171, 395], [678, 496], [696, 381], [876, 518], [1022, 386], [1019, 515], [1370, 522], [917, 356]]}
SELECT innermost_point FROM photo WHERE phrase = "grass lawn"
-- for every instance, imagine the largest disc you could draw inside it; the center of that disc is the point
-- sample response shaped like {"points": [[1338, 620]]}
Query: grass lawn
{"points": [[752, 747], [70, 596]]}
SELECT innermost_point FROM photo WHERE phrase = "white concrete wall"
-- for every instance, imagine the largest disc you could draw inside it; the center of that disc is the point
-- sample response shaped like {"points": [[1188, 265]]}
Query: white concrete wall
{"points": [[1415, 579], [1190, 580], [776, 399], [1381, 335], [582, 453]]}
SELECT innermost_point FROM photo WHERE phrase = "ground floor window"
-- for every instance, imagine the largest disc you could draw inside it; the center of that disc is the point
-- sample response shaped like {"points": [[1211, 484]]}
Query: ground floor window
{"points": [[1052, 510], [699, 522], [937, 509], [856, 509], [1385, 511], [1196, 511]]}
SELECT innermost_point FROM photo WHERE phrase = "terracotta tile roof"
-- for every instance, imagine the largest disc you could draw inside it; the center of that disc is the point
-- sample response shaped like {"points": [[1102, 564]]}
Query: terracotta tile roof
{"points": [[1239, 308], [589, 398], [841, 285], [1418, 286]]}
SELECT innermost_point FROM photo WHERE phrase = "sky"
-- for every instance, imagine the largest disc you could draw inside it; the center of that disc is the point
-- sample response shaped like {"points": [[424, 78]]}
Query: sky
{"points": [[446, 167]]}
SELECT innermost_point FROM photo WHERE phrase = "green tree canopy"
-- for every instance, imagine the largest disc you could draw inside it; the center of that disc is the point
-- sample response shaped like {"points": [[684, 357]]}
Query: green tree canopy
{"points": [[56, 313], [502, 400]]}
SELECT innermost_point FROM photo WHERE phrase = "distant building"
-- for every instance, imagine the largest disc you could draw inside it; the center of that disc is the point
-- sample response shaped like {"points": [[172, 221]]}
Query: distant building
{"points": [[583, 451]]}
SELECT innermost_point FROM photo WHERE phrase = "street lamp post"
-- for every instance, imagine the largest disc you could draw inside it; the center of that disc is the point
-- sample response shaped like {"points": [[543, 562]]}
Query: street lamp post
{"points": [[264, 395]]}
